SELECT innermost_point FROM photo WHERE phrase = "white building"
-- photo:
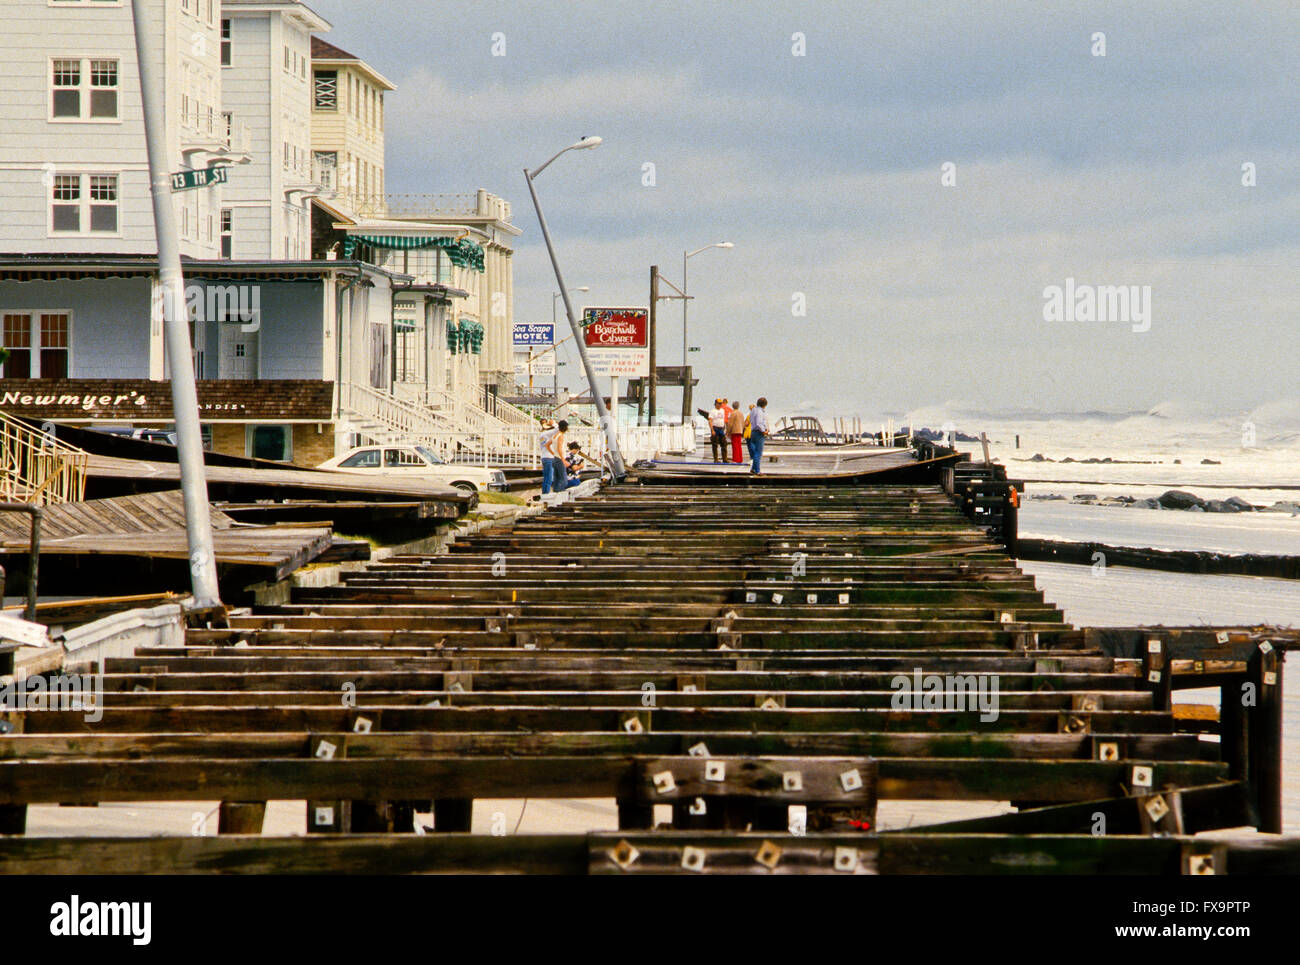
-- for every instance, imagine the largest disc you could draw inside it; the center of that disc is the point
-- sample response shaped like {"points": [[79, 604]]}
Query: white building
{"points": [[73, 167], [266, 88], [491, 294], [347, 124]]}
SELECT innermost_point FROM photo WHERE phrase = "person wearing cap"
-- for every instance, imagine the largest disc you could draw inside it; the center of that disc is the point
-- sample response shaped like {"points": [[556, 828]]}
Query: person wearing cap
{"points": [[575, 461], [718, 430]]}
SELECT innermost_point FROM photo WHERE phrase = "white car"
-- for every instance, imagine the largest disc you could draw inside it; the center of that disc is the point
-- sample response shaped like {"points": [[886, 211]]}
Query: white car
{"points": [[418, 461]]}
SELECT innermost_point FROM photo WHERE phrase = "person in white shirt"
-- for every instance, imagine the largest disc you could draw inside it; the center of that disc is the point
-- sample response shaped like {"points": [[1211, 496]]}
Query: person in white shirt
{"points": [[552, 453], [718, 431]]}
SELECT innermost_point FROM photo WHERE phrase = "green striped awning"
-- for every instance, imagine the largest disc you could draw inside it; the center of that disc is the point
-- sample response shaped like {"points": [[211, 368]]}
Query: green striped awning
{"points": [[462, 252]]}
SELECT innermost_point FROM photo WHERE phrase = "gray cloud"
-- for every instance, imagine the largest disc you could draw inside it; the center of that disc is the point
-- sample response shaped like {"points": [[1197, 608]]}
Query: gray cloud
{"points": [[824, 170]]}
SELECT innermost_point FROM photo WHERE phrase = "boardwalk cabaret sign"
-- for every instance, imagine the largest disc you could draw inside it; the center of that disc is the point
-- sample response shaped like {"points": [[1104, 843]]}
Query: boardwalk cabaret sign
{"points": [[141, 400], [617, 340]]}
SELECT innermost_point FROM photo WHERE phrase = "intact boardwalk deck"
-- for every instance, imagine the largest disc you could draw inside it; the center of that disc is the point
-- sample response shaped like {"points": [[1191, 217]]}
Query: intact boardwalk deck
{"points": [[722, 661]]}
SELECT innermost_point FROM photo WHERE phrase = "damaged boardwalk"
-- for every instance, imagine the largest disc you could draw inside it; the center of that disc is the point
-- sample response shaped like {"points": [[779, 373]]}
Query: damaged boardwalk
{"points": [[747, 670]]}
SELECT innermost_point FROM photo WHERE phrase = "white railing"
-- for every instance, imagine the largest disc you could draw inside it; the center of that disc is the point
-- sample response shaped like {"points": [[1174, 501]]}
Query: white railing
{"points": [[38, 468], [212, 131], [461, 432], [398, 415], [508, 412], [433, 205]]}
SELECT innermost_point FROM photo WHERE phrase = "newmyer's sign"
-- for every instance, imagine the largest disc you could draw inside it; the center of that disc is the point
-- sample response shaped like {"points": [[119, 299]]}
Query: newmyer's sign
{"points": [[141, 400], [618, 341]]}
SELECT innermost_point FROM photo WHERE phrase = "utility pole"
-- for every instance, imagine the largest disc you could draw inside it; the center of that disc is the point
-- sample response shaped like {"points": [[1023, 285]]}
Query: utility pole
{"points": [[185, 399], [654, 375]]}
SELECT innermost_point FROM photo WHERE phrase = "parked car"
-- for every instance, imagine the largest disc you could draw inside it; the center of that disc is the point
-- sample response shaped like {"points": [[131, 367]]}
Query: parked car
{"points": [[163, 436], [166, 437], [417, 461]]}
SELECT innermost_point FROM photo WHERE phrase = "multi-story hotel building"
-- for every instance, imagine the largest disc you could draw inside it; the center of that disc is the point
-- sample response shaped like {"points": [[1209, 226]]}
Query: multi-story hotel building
{"points": [[300, 344]]}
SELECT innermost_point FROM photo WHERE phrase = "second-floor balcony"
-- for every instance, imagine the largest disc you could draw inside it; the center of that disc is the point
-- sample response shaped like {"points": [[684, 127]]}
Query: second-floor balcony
{"points": [[210, 132], [480, 204]]}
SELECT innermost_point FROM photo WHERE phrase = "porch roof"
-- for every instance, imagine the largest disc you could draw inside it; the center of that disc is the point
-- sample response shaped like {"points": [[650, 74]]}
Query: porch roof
{"points": [[49, 267]]}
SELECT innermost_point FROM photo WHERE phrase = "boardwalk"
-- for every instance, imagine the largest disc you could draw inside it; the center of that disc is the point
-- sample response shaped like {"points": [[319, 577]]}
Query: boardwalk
{"points": [[723, 663]]}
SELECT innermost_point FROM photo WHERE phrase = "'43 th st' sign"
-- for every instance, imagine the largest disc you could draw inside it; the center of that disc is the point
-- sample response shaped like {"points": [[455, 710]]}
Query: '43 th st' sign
{"points": [[199, 178]]}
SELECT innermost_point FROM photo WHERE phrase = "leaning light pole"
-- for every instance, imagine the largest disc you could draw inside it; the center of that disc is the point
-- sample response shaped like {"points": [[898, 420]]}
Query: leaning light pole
{"points": [[185, 399], [611, 436]]}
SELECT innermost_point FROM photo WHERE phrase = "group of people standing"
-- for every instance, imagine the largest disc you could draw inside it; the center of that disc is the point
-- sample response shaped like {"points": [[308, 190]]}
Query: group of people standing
{"points": [[729, 423], [561, 463]]}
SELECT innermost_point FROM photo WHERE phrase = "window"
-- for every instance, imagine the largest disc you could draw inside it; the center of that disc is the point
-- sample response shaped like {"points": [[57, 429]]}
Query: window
{"points": [[365, 459], [103, 88], [65, 208], [270, 442], [38, 344], [54, 345], [324, 168], [18, 340], [66, 100], [288, 64], [227, 233], [185, 6], [394, 458], [84, 202], [326, 90], [83, 89], [103, 202], [225, 43]]}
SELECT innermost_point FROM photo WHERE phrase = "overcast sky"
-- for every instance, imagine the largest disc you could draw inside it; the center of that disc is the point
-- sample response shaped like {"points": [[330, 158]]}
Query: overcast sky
{"points": [[825, 171]]}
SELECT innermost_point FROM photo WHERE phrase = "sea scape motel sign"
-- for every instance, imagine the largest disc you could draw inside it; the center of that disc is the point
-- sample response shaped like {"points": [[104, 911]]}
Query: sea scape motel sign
{"points": [[527, 334], [617, 340], [199, 178]]}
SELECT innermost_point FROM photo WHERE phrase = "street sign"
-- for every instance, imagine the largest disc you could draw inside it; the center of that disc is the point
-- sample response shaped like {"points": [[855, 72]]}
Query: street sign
{"points": [[199, 178], [543, 367], [526, 334]]}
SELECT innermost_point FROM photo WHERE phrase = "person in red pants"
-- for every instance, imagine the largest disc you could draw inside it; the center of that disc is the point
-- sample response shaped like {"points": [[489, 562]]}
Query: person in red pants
{"points": [[736, 429]]}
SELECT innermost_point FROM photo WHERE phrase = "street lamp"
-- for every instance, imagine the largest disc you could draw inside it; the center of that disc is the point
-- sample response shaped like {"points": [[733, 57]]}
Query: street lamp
{"points": [[611, 437], [555, 388], [685, 256]]}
